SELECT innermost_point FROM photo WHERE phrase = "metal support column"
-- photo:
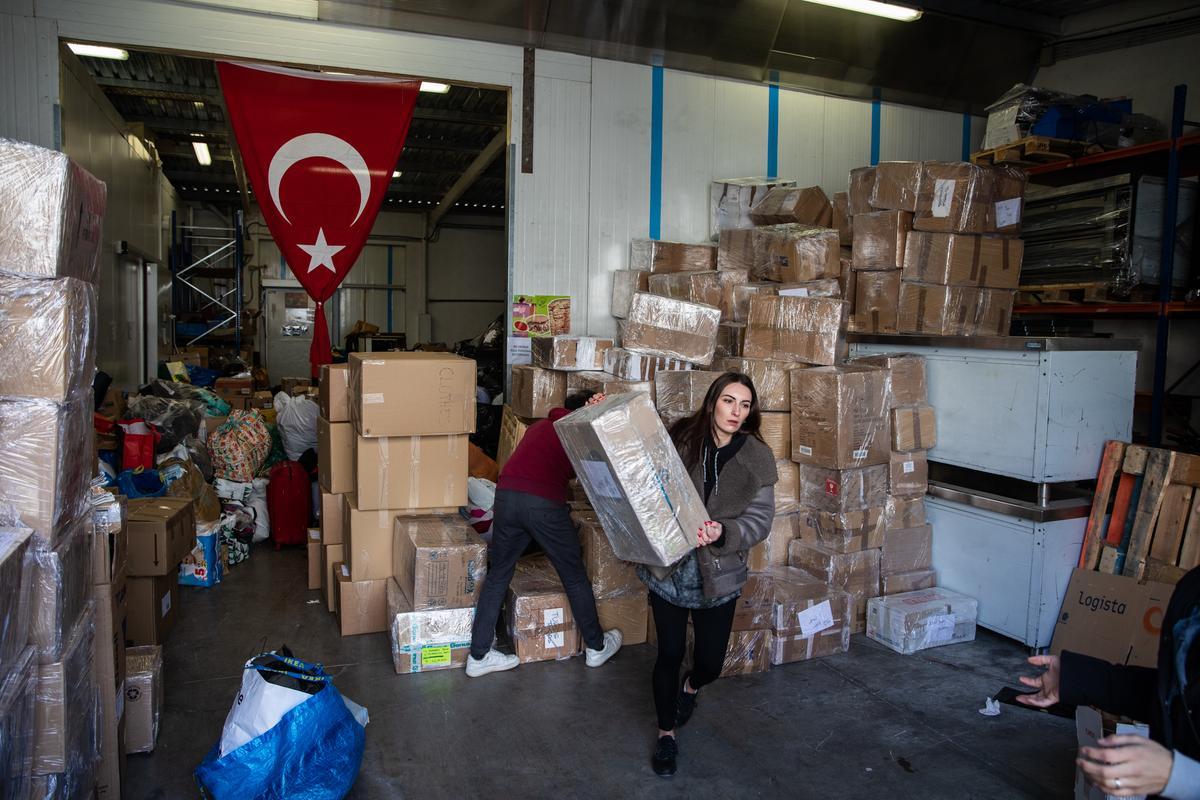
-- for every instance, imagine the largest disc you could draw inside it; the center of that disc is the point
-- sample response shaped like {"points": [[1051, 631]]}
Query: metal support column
{"points": [[238, 266]]}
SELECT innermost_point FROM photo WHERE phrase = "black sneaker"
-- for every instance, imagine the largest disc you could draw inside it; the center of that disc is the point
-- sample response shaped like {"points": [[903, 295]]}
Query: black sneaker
{"points": [[685, 704], [664, 757]]}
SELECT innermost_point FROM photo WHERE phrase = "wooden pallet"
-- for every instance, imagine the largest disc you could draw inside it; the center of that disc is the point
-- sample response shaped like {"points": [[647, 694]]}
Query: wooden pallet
{"points": [[1082, 292], [1153, 529], [1032, 150]]}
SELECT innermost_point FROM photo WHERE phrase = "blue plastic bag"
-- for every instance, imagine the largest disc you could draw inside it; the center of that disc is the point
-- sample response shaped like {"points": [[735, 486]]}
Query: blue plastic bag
{"points": [[314, 752]]}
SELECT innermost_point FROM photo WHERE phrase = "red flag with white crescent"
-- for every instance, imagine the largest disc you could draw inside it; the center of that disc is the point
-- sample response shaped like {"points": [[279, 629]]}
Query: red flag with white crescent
{"points": [[319, 151]]}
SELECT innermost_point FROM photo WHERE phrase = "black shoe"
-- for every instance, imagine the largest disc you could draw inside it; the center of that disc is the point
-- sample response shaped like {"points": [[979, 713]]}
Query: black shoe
{"points": [[664, 757], [685, 704]]}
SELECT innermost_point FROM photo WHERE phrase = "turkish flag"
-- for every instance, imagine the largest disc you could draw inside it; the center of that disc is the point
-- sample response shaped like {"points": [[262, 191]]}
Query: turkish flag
{"points": [[319, 151]]}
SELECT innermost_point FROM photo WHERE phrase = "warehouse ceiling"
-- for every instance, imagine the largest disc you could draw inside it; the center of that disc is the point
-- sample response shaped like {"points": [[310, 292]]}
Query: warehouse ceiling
{"points": [[174, 101]]}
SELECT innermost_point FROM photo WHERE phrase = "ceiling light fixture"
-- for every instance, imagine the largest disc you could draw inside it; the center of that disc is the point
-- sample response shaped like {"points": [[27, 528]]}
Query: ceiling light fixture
{"points": [[434, 88], [202, 154], [198, 103], [874, 8], [96, 51]]}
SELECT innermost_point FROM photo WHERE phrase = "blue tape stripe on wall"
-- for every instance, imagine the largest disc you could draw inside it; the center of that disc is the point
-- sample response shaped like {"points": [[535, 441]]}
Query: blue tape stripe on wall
{"points": [[876, 124], [656, 151], [773, 131], [389, 291], [966, 137]]}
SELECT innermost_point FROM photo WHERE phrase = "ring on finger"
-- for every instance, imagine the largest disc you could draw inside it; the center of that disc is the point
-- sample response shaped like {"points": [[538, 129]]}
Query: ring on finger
{"points": [[1117, 784]]}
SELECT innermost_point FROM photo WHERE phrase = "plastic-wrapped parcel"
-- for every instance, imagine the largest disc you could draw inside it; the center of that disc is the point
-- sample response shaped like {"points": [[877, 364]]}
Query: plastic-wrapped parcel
{"points": [[854, 572], [535, 390], [781, 205], [879, 240], [659, 256], [18, 575], [907, 385], [771, 379], [647, 503], [840, 416], [956, 197], [796, 253], [731, 340], [626, 282], [608, 574], [47, 336], [954, 310], [876, 302], [64, 587], [898, 185], [804, 329], [569, 352], [629, 366], [426, 640], [963, 259], [539, 615], [859, 188], [678, 329], [730, 201], [919, 620], [694, 287], [839, 491], [65, 712], [679, 394], [810, 619], [51, 214], [18, 690]]}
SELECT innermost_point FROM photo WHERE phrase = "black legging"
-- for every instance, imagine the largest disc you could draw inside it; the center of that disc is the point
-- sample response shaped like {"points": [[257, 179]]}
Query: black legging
{"points": [[711, 628]]}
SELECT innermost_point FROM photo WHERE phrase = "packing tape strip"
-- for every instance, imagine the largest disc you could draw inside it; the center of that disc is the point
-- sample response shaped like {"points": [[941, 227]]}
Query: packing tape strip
{"points": [[385, 464], [414, 473], [976, 244], [916, 412]]}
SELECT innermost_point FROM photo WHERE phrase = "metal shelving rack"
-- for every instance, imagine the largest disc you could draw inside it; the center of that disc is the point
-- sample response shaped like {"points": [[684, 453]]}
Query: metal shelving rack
{"points": [[215, 254]]}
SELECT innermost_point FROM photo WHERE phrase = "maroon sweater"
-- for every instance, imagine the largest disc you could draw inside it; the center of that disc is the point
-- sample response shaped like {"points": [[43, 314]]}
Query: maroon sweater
{"points": [[539, 465]]}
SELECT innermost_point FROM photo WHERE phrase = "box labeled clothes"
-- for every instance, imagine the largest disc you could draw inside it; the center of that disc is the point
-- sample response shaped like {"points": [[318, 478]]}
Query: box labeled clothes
{"points": [[919, 620], [436, 391]]}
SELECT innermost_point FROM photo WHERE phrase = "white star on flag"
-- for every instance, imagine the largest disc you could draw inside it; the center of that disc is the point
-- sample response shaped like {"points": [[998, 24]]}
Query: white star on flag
{"points": [[320, 252]]}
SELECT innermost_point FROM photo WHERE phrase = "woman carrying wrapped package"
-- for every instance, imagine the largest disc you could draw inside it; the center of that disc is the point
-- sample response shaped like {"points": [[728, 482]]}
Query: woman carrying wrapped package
{"points": [[734, 471]]}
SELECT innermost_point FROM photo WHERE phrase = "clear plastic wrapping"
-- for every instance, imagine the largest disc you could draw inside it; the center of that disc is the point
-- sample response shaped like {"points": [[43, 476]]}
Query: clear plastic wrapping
{"points": [[694, 287], [731, 340], [913, 428], [730, 201], [848, 531], [908, 581], [781, 205], [627, 612], [842, 222], [840, 416], [811, 619], [919, 620], [604, 383], [776, 431], [63, 589], [1080, 118], [740, 296], [64, 711], [880, 240], [662, 326], [569, 352], [626, 283], [794, 253], [957, 197], [747, 652], [47, 335], [18, 576], [771, 379], [907, 550], [512, 431], [755, 604], [46, 460], [848, 280], [904, 512], [906, 386], [856, 572], [680, 394], [898, 185], [909, 474], [954, 310], [841, 491], [876, 302], [51, 214], [960, 259], [439, 561], [426, 640], [539, 617], [728, 281], [18, 689], [859, 188], [735, 250], [535, 390], [629, 366], [784, 528], [657, 256], [608, 574], [804, 329], [646, 501], [144, 697], [787, 489]]}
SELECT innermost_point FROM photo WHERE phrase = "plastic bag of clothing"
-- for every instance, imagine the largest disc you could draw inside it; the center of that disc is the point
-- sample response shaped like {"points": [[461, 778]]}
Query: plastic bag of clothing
{"points": [[289, 734], [237, 531], [297, 420], [202, 376], [177, 419], [232, 490], [239, 446], [202, 566], [257, 503]]}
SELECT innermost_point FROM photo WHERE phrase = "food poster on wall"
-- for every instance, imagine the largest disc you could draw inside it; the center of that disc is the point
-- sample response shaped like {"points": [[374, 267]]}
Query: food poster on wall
{"points": [[533, 316]]}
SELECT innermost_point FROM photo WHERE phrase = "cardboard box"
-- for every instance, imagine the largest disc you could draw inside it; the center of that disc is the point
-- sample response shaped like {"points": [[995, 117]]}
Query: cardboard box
{"points": [[956, 197], [263, 400], [907, 550], [64, 707], [908, 474], [861, 186], [439, 562], [898, 185], [731, 340], [677, 329], [609, 575], [877, 302], [842, 222], [904, 512], [626, 282], [900, 582], [810, 619], [679, 394], [963, 260], [512, 431], [630, 366], [773, 549], [294, 385], [436, 391], [748, 652], [729, 280], [913, 428], [540, 620], [804, 329], [694, 287], [1112, 617], [18, 689], [771, 379], [331, 555], [109, 669], [314, 558], [840, 491], [786, 204], [634, 479], [839, 416], [332, 518], [18, 582], [848, 531], [335, 392], [569, 352], [153, 604], [110, 542], [362, 605], [919, 620], [879, 240], [625, 612], [1091, 725], [335, 456], [234, 387], [795, 253], [787, 489], [908, 385], [776, 431], [161, 532], [62, 591], [938, 310], [741, 295], [47, 335], [410, 472], [143, 698], [855, 571], [603, 383], [535, 391], [659, 256], [426, 640], [730, 201], [994, 317], [735, 250], [368, 544]]}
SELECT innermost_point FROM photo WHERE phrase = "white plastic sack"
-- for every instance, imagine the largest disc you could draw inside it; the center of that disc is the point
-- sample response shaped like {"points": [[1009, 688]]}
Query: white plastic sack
{"points": [[257, 502], [232, 490], [258, 707], [481, 497], [297, 420]]}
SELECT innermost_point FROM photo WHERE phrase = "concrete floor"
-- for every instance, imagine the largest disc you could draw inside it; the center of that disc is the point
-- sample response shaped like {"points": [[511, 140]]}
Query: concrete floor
{"points": [[867, 724]]}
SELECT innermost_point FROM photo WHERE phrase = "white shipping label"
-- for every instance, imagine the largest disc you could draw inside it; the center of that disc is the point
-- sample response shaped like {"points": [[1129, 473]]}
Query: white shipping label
{"points": [[1008, 212], [314, 534], [554, 640], [552, 616], [165, 603], [797, 292], [815, 619], [804, 451], [372, 398], [939, 628], [943, 197], [909, 466], [863, 453], [601, 479]]}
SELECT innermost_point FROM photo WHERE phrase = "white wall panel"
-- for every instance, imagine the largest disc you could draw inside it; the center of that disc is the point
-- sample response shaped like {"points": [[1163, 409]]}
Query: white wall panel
{"points": [[690, 123], [847, 141], [802, 138], [28, 79], [917, 134]]}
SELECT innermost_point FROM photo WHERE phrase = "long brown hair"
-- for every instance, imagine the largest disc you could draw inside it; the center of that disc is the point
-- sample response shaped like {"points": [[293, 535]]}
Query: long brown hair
{"points": [[690, 433]]}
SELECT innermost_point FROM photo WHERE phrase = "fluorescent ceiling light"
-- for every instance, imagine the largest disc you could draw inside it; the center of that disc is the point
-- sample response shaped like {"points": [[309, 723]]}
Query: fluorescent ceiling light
{"points": [[198, 103], [202, 154], [875, 8], [96, 51], [396, 174], [434, 88]]}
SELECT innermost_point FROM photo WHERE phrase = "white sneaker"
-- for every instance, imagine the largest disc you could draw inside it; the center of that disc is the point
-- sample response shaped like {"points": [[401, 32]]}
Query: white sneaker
{"points": [[612, 643], [494, 661]]}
